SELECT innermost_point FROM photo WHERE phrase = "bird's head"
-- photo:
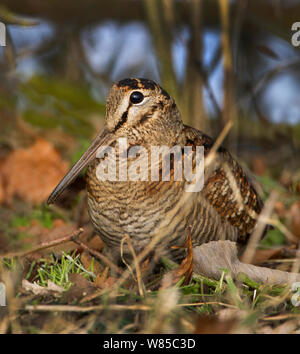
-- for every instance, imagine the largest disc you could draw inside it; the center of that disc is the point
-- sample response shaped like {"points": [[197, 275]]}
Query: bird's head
{"points": [[135, 106], [137, 109]]}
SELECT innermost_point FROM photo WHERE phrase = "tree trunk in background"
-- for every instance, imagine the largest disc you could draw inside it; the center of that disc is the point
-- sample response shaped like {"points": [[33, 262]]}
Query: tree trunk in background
{"points": [[229, 106], [193, 105], [162, 38]]}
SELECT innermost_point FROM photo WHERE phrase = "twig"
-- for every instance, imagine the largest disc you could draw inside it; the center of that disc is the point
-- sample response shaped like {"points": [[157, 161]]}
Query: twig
{"points": [[114, 307], [124, 260], [207, 303], [136, 264], [97, 254], [259, 229], [212, 154], [281, 317], [273, 72], [45, 245], [74, 237], [68, 308]]}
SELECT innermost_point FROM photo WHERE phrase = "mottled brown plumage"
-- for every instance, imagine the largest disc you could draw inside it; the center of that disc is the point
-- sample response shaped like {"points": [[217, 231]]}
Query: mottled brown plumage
{"points": [[226, 208]]}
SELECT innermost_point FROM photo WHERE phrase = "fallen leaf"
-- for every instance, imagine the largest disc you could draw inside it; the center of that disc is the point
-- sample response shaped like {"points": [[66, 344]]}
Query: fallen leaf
{"points": [[36, 289], [286, 178], [286, 327], [4, 243], [213, 325], [89, 261], [33, 288], [265, 330], [259, 165], [280, 208], [2, 193], [261, 256], [54, 287], [45, 235], [101, 278], [59, 232], [298, 187], [145, 265], [295, 218], [108, 283], [96, 243], [185, 269], [80, 287], [32, 173]]}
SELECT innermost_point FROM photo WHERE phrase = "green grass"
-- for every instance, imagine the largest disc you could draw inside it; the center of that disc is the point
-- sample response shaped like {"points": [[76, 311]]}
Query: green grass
{"points": [[58, 271], [9, 263], [206, 296], [42, 213], [273, 238]]}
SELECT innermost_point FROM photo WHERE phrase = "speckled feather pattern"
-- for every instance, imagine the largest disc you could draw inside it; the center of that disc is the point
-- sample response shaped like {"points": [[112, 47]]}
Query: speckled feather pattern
{"points": [[226, 208]]}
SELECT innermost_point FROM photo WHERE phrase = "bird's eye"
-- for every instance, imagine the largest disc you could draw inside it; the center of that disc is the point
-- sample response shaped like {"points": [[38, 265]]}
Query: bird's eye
{"points": [[136, 97]]}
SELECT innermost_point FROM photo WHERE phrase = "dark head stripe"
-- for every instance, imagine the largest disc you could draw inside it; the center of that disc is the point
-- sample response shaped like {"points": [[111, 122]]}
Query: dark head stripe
{"points": [[138, 84], [132, 83], [122, 121], [148, 84]]}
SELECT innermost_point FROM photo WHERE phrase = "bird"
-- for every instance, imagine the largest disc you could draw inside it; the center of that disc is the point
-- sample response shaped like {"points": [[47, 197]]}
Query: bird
{"points": [[226, 208]]}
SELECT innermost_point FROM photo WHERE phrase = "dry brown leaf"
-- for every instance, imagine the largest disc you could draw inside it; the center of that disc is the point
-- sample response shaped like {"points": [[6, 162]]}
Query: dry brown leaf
{"points": [[286, 327], [261, 256], [185, 269], [88, 261], [2, 193], [295, 218], [57, 233], [4, 243], [33, 288], [31, 173], [96, 243], [80, 287], [53, 287], [213, 325], [280, 208], [259, 165], [38, 234], [298, 187], [101, 278], [265, 330], [108, 283], [145, 265]]}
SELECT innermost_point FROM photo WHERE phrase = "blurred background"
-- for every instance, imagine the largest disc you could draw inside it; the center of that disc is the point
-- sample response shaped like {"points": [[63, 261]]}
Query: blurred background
{"points": [[221, 61]]}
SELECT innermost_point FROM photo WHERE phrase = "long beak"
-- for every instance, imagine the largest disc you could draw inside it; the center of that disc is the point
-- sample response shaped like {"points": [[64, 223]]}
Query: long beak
{"points": [[105, 137]]}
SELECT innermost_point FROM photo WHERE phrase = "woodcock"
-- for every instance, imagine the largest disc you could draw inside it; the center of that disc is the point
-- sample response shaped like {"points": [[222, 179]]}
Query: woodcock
{"points": [[226, 208]]}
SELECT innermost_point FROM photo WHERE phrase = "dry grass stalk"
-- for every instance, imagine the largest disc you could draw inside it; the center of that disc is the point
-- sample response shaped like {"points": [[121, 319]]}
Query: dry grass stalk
{"points": [[259, 229], [70, 308], [136, 264]]}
